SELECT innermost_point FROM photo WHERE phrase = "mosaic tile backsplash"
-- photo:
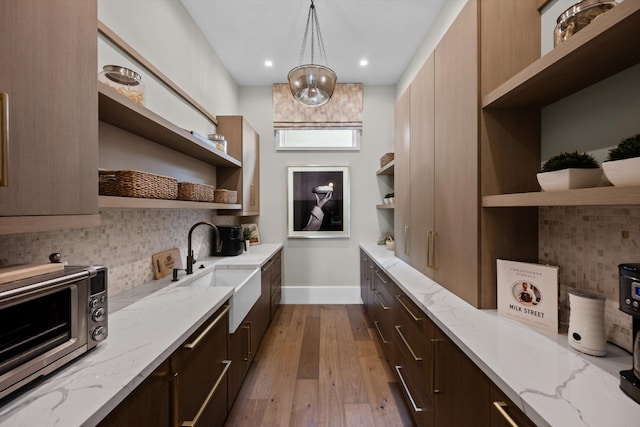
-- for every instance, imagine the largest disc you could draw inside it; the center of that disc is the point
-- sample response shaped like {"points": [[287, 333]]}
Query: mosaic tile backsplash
{"points": [[124, 242], [588, 243]]}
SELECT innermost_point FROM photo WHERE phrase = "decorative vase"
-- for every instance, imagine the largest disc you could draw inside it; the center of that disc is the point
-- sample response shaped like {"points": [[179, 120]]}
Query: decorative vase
{"points": [[568, 179], [623, 173]]}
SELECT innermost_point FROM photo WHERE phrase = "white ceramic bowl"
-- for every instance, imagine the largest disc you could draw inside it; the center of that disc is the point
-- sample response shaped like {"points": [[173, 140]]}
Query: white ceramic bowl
{"points": [[568, 179], [623, 173]]}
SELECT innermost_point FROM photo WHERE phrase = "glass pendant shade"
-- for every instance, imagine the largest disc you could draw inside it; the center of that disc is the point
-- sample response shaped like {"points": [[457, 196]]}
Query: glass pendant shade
{"points": [[312, 84]]}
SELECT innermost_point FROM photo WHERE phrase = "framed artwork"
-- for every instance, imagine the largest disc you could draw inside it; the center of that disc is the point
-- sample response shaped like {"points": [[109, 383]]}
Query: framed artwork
{"points": [[318, 202], [251, 231]]}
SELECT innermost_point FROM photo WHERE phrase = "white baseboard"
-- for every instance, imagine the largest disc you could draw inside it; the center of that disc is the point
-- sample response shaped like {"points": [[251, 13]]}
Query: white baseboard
{"points": [[321, 295]]}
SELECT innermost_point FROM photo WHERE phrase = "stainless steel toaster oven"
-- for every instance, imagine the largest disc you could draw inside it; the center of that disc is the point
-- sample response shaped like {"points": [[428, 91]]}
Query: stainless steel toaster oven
{"points": [[48, 320]]}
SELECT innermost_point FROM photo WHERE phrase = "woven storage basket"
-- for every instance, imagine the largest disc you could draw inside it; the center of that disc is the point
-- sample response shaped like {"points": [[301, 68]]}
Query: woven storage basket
{"points": [[195, 192], [132, 183], [226, 196]]}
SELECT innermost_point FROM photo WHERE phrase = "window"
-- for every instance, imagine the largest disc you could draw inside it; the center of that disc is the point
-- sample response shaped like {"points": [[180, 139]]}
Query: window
{"points": [[318, 139]]}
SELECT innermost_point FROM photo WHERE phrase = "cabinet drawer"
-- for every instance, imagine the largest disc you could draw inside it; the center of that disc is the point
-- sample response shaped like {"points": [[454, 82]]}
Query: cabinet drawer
{"points": [[504, 413], [275, 301], [409, 313], [413, 391], [200, 368]]}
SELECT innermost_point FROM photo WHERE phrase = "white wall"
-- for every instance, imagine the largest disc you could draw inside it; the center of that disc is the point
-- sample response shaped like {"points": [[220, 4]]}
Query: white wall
{"points": [[164, 33], [323, 270]]}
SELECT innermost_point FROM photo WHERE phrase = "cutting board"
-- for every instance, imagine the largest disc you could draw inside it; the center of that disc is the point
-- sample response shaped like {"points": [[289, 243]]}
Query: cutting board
{"points": [[23, 271], [164, 262]]}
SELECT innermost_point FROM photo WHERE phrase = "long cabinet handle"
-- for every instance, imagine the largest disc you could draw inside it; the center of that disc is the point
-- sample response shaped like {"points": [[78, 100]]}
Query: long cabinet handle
{"points": [[380, 277], [194, 343], [406, 239], [500, 407], [4, 139], [384, 341], [406, 343], [371, 284], [429, 236], [213, 390], [416, 408], [407, 309], [434, 234], [384, 307], [434, 385]]}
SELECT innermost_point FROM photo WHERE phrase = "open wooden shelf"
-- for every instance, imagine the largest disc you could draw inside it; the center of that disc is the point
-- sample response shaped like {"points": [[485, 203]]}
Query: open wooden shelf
{"points": [[599, 196], [114, 202], [386, 206], [608, 45], [387, 169], [120, 111]]}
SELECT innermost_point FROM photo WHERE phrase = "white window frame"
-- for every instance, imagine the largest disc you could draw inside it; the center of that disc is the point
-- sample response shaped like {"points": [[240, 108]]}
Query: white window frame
{"points": [[318, 139]]}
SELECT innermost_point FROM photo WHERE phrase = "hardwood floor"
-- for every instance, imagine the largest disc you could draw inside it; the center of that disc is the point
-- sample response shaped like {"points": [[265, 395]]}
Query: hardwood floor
{"points": [[319, 365]]}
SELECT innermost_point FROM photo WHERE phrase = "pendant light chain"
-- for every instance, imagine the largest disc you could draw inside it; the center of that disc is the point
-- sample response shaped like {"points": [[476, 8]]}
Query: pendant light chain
{"points": [[312, 22]]}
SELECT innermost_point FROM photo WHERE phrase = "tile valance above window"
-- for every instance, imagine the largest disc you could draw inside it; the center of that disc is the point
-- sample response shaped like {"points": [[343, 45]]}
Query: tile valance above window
{"points": [[342, 111]]}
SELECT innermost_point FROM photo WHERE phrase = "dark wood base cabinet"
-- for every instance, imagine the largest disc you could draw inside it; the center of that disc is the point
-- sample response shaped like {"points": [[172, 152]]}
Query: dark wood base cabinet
{"points": [[148, 405], [188, 389], [441, 386]]}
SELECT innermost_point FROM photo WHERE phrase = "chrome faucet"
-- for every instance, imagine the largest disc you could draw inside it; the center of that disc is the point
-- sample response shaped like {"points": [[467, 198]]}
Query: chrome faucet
{"points": [[190, 260]]}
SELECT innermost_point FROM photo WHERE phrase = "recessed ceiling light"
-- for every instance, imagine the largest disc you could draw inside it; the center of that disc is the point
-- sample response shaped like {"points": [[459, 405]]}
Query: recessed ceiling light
{"points": [[268, 63], [364, 62]]}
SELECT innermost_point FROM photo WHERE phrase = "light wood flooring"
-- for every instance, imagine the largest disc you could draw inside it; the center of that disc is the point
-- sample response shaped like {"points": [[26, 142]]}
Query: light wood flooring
{"points": [[319, 365]]}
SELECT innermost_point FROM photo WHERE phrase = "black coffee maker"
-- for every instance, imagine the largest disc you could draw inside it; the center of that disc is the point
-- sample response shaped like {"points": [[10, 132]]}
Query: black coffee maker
{"points": [[630, 304]]}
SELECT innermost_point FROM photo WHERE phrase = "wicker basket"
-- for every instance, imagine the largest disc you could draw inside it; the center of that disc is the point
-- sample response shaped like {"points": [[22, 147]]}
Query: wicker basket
{"points": [[226, 196], [132, 183], [386, 159], [195, 192]]}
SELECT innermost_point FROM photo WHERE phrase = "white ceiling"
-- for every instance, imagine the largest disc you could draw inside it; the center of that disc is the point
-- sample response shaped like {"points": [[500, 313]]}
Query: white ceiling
{"points": [[245, 33]]}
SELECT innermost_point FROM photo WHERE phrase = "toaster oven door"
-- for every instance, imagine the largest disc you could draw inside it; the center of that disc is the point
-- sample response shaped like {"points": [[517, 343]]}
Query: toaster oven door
{"points": [[39, 331]]}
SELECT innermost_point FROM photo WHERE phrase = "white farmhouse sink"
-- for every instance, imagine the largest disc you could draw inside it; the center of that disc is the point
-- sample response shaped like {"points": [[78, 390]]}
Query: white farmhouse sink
{"points": [[247, 290]]}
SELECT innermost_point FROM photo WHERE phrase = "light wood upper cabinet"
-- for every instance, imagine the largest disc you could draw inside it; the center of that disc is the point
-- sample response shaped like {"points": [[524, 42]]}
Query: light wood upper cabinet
{"points": [[48, 63], [402, 182], [422, 168], [458, 152], [243, 142], [456, 156]]}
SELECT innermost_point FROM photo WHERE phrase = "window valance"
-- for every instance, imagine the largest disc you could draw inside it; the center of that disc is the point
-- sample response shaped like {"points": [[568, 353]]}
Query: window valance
{"points": [[344, 109]]}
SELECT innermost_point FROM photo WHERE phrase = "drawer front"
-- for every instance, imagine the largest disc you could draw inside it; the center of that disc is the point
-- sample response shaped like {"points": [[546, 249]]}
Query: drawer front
{"points": [[413, 391], [200, 367]]}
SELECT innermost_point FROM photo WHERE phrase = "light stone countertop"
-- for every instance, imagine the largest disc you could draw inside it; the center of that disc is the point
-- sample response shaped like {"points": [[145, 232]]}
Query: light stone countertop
{"points": [[145, 326], [558, 385]]}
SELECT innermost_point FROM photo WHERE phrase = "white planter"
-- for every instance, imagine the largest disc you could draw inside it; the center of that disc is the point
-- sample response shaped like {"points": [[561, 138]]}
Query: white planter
{"points": [[568, 179], [623, 173]]}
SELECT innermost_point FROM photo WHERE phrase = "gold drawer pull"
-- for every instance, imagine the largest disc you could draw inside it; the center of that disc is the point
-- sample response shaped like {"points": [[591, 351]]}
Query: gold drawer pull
{"points": [[380, 277], [416, 408], [375, 323], [416, 318], [406, 238], [500, 407], [404, 340], [194, 343], [384, 307], [4, 139], [194, 422]]}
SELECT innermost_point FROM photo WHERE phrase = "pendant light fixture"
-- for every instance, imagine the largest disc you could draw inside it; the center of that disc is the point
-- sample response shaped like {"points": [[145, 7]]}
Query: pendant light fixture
{"points": [[312, 84]]}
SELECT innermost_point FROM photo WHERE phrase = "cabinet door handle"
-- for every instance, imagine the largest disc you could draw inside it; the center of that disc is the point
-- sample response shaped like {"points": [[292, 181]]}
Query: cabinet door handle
{"points": [[434, 383], [416, 408], [375, 323], [248, 327], [404, 340], [4, 139], [500, 407], [406, 239], [371, 284], [416, 318], [194, 343], [428, 248], [384, 307], [380, 277], [434, 234], [194, 422]]}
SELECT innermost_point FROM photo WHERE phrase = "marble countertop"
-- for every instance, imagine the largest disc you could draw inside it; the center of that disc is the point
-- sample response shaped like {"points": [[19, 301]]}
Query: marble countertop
{"points": [[145, 326], [558, 385]]}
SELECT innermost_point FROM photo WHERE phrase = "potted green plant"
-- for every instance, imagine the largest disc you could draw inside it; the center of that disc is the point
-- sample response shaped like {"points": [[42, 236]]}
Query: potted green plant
{"points": [[622, 167], [566, 171]]}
